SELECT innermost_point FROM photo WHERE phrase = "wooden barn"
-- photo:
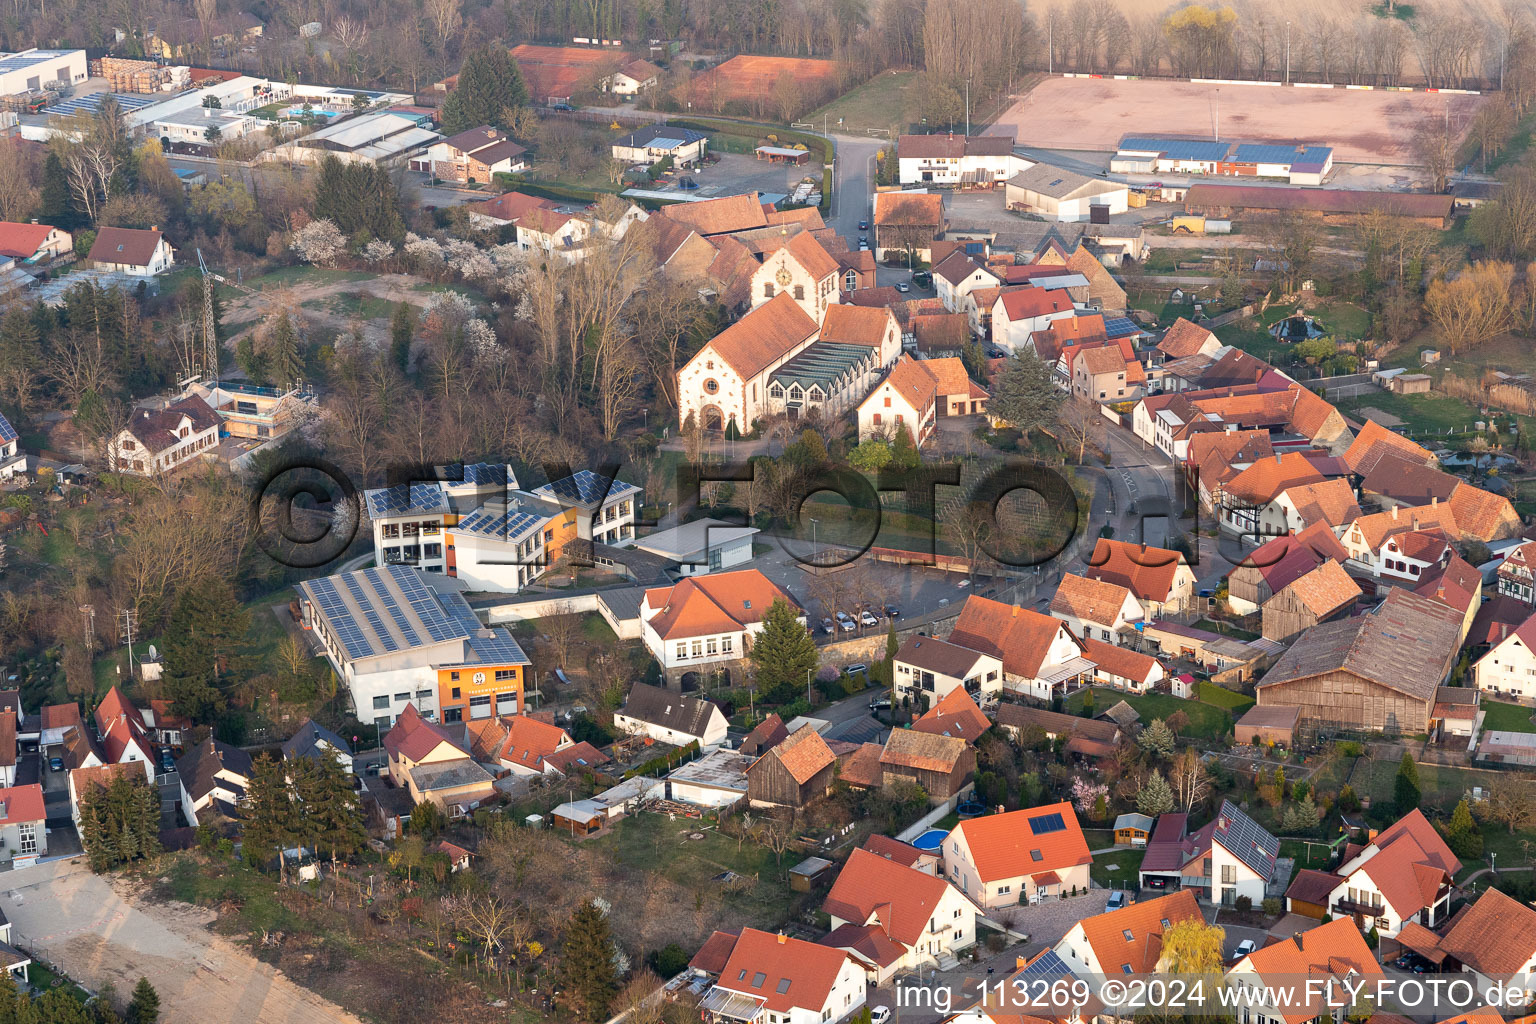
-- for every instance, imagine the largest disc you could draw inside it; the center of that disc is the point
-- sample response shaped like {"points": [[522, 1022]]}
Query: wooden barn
{"points": [[1325, 593], [794, 773], [942, 765], [1372, 673]]}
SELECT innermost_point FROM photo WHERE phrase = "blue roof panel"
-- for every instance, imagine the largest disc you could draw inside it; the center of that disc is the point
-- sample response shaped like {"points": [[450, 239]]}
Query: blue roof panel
{"points": [[1178, 149], [7, 432]]}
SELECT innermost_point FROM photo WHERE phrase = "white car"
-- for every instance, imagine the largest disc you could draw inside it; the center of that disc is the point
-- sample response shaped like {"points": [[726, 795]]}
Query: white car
{"points": [[867, 619], [1244, 948], [963, 584], [845, 621], [879, 1015]]}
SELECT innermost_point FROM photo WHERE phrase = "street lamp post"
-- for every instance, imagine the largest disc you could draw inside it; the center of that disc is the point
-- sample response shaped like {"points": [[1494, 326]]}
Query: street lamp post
{"points": [[808, 685], [1287, 53], [813, 540]]}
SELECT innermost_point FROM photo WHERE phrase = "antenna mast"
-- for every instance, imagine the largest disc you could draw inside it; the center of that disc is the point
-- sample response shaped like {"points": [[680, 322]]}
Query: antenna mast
{"points": [[210, 328]]}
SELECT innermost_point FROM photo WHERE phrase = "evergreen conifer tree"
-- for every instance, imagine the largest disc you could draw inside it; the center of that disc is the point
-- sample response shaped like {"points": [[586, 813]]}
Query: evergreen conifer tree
{"points": [[587, 973]]}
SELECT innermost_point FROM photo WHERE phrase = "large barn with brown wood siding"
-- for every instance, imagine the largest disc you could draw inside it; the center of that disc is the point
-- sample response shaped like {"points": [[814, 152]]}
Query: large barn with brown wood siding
{"points": [[1373, 673], [942, 765]]}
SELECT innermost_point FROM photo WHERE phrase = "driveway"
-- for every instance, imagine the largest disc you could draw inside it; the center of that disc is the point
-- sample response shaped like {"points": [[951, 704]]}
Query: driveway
{"points": [[100, 932]]}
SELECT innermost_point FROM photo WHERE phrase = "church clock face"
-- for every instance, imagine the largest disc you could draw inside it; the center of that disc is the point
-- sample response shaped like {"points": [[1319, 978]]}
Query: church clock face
{"points": [[783, 277], [479, 678]]}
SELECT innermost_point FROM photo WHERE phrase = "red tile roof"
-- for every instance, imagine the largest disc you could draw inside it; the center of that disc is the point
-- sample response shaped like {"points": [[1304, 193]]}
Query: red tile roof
{"points": [[896, 850], [873, 890], [1028, 302], [1121, 661], [1133, 935], [119, 723], [955, 715], [1374, 440], [1267, 479], [21, 241], [510, 206], [1410, 863], [1335, 949], [1495, 935], [1004, 845], [1184, 338], [1147, 572], [803, 754], [716, 950], [809, 968], [765, 334], [22, 803], [132, 246], [1019, 637], [414, 738], [716, 603]]}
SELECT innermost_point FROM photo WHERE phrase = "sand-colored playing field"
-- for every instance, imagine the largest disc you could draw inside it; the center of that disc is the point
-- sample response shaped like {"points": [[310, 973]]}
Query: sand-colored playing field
{"points": [[746, 76], [1363, 127]]}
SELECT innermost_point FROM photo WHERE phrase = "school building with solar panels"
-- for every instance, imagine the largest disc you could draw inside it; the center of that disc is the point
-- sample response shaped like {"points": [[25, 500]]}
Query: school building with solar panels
{"points": [[492, 535], [1300, 165], [394, 638]]}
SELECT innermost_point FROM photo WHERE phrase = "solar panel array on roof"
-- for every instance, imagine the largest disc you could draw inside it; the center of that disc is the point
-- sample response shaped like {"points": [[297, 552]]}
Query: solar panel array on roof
{"points": [[1047, 823], [386, 639], [1046, 965], [340, 619], [427, 606], [92, 103], [454, 604], [376, 580], [7, 432], [1177, 149], [1120, 327], [498, 648], [485, 473], [1246, 839], [18, 61], [505, 524], [404, 499], [584, 486], [1258, 153]]}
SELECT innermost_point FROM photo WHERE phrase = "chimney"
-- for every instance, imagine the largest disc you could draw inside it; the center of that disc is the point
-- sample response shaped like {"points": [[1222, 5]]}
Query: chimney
{"points": [[1434, 499], [1394, 513], [782, 938], [154, 227]]}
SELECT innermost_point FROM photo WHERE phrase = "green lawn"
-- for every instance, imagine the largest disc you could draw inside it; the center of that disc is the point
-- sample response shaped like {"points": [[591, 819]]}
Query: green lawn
{"points": [[1429, 415], [1126, 863], [1222, 697], [653, 843], [1441, 786], [284, 276], [1507, 717], [1206, 721], [885, 101]]}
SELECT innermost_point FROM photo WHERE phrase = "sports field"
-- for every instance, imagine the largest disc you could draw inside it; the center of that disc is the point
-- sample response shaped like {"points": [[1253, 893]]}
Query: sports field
{"points": [[745, 76], [1094, 114]]}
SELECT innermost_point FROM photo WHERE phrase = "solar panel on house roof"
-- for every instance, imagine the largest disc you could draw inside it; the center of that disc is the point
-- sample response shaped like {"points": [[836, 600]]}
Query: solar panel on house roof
{"points": [[1046, 965], [485, 473], [376, 580], [1120, 327], [7, 432], [1046, 824], [18, 61], [340, 619], [584, 486], [508, 524], [1246, 839]]}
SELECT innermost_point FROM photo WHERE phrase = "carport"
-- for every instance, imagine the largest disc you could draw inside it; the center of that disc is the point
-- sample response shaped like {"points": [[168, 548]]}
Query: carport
{"points": [[1416, 938]]}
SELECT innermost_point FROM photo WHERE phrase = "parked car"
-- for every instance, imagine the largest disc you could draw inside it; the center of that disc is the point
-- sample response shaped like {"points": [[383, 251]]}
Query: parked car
{"points": [[845, 621], [996, 353], [880, 1015], [1245, 947], [903, 287], [892, 612], [55, 764], [880, 704], [923, 279], [863, 247], [167, 762], [858, 668], [827, 626], [1117, 899], [866, 619], [963, 583]]}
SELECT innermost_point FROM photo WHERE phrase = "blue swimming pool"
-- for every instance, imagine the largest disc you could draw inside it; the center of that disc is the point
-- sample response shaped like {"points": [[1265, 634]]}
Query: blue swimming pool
{"points": [[933, 839], [317, 112]]}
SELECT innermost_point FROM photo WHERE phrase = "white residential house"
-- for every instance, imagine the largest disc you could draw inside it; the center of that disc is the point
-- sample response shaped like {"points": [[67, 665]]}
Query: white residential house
{"points": [[1509, 667], [214, 776], [133, 251], [475, 156], [633, 78], [928, 667], [1405, 875], [160, 441], [1095, 609], [775, 979], [563, 232], [956, 276], [1040, 657], [1019, 312], [921, 918], [1003, 860], [1332, 958], [1231, 856], [12, 461], [979, 160], [1127, 941], [705, 623], [667, 716], [727, 380], [653, 143], [907, 399]]}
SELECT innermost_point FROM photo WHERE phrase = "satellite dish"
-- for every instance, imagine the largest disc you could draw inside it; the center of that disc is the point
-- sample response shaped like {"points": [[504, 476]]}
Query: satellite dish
{"points": [[154, 655]]}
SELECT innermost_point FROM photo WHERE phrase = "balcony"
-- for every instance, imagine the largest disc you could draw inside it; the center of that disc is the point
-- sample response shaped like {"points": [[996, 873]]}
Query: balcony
{"points": [[1348, 906]]}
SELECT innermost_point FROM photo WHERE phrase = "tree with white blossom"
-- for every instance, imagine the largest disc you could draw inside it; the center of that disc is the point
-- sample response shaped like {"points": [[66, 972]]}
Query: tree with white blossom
{"points": [[378, 250], [425, 253], [319, 242]]}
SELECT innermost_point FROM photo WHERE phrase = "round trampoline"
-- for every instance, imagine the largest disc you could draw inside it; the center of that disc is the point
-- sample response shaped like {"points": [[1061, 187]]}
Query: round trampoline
{"points": [[933, 839]]}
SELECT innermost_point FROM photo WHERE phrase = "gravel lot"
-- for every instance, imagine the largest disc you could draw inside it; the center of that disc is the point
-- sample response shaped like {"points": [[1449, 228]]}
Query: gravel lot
{"points": [[101, 933]]}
